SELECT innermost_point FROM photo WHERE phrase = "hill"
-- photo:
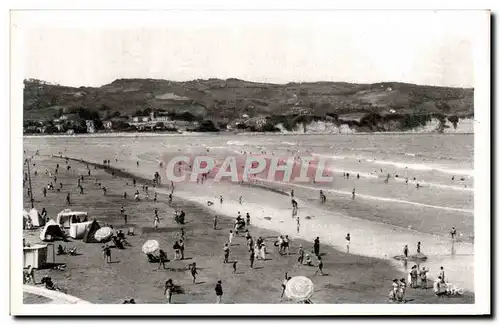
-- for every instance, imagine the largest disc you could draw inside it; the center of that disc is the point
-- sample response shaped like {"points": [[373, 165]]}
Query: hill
{"points": [[231, 101]]}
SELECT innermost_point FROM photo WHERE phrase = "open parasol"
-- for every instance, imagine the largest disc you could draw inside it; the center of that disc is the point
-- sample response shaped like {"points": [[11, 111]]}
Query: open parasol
{"points": [[299, 288], [103, 234], [150, 246]]}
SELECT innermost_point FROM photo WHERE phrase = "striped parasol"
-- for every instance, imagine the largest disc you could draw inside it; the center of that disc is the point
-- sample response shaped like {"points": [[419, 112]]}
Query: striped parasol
{"points": [[103, 234], [299, 288], [150, 246]]}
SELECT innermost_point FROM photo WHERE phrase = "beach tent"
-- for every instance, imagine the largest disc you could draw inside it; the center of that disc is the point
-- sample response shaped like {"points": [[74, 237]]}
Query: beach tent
{"points": [[35, 255], [67, 217], [51, 231], [88, 236], [36, 218], [77, 230]]}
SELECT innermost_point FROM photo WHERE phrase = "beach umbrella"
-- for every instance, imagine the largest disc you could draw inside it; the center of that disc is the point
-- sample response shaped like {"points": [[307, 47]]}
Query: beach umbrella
{"points": [[150, 246], [299, 288], [103, 234]]}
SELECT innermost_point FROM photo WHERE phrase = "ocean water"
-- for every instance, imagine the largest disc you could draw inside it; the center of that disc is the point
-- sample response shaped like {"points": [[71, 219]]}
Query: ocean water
{"points": [[382, 219]]}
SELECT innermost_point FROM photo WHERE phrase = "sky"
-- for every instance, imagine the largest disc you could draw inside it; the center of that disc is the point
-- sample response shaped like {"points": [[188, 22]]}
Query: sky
{"points": [[94, 48]]}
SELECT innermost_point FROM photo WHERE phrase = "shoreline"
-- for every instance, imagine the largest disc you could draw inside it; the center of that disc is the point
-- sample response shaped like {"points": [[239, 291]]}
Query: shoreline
{"points": [[223, 133], [186, 203]]}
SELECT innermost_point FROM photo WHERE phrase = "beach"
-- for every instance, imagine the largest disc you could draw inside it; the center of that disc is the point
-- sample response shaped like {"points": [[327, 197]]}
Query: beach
{"points": [[381, 220]]}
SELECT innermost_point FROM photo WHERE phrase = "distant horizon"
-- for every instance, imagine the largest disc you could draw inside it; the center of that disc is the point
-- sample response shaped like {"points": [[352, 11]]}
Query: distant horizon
{"points": [[246, 80]]}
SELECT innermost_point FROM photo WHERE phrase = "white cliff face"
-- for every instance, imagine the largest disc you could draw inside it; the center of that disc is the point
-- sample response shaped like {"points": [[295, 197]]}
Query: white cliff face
{"points": [[434, 125]]}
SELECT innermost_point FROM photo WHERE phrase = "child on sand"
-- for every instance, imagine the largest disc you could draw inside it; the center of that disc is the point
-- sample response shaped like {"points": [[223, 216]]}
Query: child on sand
{"points": [[169, 288], [194, 271], [348, 241], [320, 266], [231, 236], [300, 255], [234, 266], [226, 253]]}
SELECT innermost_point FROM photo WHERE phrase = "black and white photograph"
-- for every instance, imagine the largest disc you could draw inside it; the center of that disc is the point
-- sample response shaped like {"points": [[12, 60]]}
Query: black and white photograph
{"points": [[337, 159]]}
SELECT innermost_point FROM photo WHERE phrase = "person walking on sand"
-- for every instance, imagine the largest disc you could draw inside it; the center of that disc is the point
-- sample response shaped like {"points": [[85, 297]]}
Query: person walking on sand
{"points": [[252, 258], [231, 237], [215, 222], [221, 199], [453, 233], [441, 274], [353, 193], [162, 259], [405, 251], [194, 271], [44, 192], [320, 266], [226, 253], [300, 255], [248, 219], [122, 211], [106, 252], [395, 290], [177, 250], [402, 289], [348, 241], [125, 218], [169, 288], [68, 199], [181, 248], [283, 285], [316, 246], [263, 251], [234, 266], [218, 292], [286, 245], [423, 277], [418, 247], [298, 224], [240, 200], [156, 221], [413, 276], [155, 198]]}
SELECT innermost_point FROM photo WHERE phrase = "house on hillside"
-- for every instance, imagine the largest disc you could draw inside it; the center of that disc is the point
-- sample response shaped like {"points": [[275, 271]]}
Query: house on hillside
{"points": [[107, 125], [90, 126]]}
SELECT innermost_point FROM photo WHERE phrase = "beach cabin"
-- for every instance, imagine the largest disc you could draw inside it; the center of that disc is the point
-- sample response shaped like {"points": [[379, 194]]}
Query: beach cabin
{"points": [[35, 255], [66, 217], [77, 230]]}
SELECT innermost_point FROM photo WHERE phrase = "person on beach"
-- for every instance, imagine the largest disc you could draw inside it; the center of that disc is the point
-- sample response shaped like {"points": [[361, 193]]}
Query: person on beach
{"points": [[320, 266], [60, 185], [177, 250], [137, 163], [423, 277], [106, 252], [263, 251], [418, 247], [218, 292], [234, 266], [300, 255], [291, 194], [413, 276], [226, 253], [134, 181], [347, 175], [104, 190], [402, 289], [405, 251], [283, 285], [44, 192], [453, 233], [170, 197], [155, 198], [240, 200], [215, 222], [231, 237], [221, 199], [248, 219], [348, 241], [295, 207], [169, 288], [181, 248], [322, 197], [353, 193], [252, 257], [441, 274], [298, 224], [357, 176], [194, 271], [286, 245], [68, 199], [122, 211], [395, 290], [437, 287], [162, 259], [156, 221], [316, 246]]}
